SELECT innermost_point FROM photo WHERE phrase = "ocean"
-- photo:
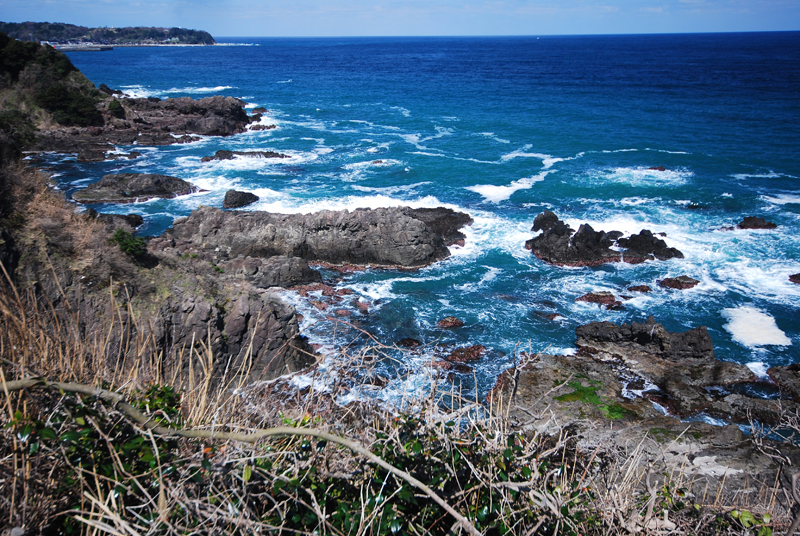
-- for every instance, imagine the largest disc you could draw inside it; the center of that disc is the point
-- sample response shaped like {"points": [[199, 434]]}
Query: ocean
{"points": [[504, 128]]}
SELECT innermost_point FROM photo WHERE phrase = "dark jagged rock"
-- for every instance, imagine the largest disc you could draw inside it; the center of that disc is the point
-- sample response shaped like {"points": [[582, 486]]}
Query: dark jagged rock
{"points": [[682, 365], [132, 188], [149, 122], [644, 246], [795, 278], [558, 245], [450, 322], [657, 168], [466, 354], [755, 222], [223, 154], [263, 127], [787, 379], [606, 299], [682, 282], [409, 343], [444, 222], [259, 110], [640, 288], [129, 222], [390, 237], [236, 199], [277, 271], [108, 91]]}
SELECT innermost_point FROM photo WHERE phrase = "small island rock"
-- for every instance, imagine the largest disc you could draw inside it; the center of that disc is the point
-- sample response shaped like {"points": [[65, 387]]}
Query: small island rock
{"points": [[236, 199], [133, 188]]}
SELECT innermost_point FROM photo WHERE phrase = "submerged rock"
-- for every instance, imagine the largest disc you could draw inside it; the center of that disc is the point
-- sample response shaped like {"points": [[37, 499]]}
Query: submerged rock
{"points": [[558, 244], [466, 354], [682, 282], [450, 322], [133, 188], [606, 299], [640, 288], [237, 199]]}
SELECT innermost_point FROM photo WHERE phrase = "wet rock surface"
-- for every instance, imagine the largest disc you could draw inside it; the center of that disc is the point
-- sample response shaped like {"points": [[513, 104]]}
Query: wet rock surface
{"points": [[755, 222], [391, 237], [795, 278], [223, 154], [237, 199], [450, 322], [560, 245], [604, 395], [682, 282], [606, 299], [133, 188]]}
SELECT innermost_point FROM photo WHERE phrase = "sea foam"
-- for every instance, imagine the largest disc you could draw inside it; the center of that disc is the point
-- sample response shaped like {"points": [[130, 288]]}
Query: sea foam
{"points": [[754, 328]]}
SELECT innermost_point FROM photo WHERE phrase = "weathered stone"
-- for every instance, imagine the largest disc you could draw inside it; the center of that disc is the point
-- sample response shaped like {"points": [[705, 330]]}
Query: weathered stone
{"points": [[132, 188], [640, 288], [466, 354], [382, 237]]}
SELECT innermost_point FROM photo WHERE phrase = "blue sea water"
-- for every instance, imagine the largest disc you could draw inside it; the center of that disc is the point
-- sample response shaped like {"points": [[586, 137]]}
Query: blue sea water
{"points": [[504, 128]]}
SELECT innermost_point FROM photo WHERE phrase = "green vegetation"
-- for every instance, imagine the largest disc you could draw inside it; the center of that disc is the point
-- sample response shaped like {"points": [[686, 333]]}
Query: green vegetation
{"points": [[135, 246], [116, 109], [588, 395], [62, 33], [34, 77]]}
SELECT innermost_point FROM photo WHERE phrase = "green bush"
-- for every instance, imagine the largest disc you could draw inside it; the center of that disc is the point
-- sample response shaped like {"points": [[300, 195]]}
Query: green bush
{"points": [[130, 245], [68, 106], [116, 109]]}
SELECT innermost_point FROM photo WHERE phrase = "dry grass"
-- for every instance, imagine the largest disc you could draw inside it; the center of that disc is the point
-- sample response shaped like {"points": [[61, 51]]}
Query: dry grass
{"points": [[253, 488]]}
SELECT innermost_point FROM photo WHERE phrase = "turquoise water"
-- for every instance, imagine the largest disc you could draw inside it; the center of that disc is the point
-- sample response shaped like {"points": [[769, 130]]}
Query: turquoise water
{"points": [[503, 128]]}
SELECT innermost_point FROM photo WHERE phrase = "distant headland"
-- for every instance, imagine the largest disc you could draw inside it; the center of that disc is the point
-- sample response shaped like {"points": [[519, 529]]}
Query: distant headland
{"points": [[62, 35]]}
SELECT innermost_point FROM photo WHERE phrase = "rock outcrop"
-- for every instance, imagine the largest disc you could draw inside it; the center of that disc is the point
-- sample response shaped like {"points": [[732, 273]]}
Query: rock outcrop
{"points": [[755, 222], [558, 244], [795, 278], [236, 199], [681, 365], [133, 188], [389, 237], [682, 282], [223, 154], [148, 121]]}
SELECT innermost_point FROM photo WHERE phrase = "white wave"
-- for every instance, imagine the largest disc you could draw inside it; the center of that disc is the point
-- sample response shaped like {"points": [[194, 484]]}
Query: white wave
{"points": [[621, 151], [495, 194], [782, 199], [641, 176], [294, 205], [744, 176], [754, 328], [726, 194], [390, 190], [140, 92], [490, 275], [198, 90], [404, 111], [492, 136], [423, 153], [759, 368], [284, 81]]}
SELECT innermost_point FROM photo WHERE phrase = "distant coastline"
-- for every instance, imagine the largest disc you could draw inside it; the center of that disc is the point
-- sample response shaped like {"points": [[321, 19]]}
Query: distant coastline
{"points": [[61, 35]]}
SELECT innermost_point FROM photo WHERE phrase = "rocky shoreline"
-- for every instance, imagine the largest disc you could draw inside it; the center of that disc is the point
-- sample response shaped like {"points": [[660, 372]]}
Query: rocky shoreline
{"points": [[213, 277]]}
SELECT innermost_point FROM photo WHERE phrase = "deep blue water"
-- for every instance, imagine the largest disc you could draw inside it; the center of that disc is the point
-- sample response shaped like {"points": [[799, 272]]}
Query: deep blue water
{"points": [[503, 128]]}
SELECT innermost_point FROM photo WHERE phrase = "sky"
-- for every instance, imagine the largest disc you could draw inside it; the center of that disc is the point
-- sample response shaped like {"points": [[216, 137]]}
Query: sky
{"points": [[310, 18]]}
